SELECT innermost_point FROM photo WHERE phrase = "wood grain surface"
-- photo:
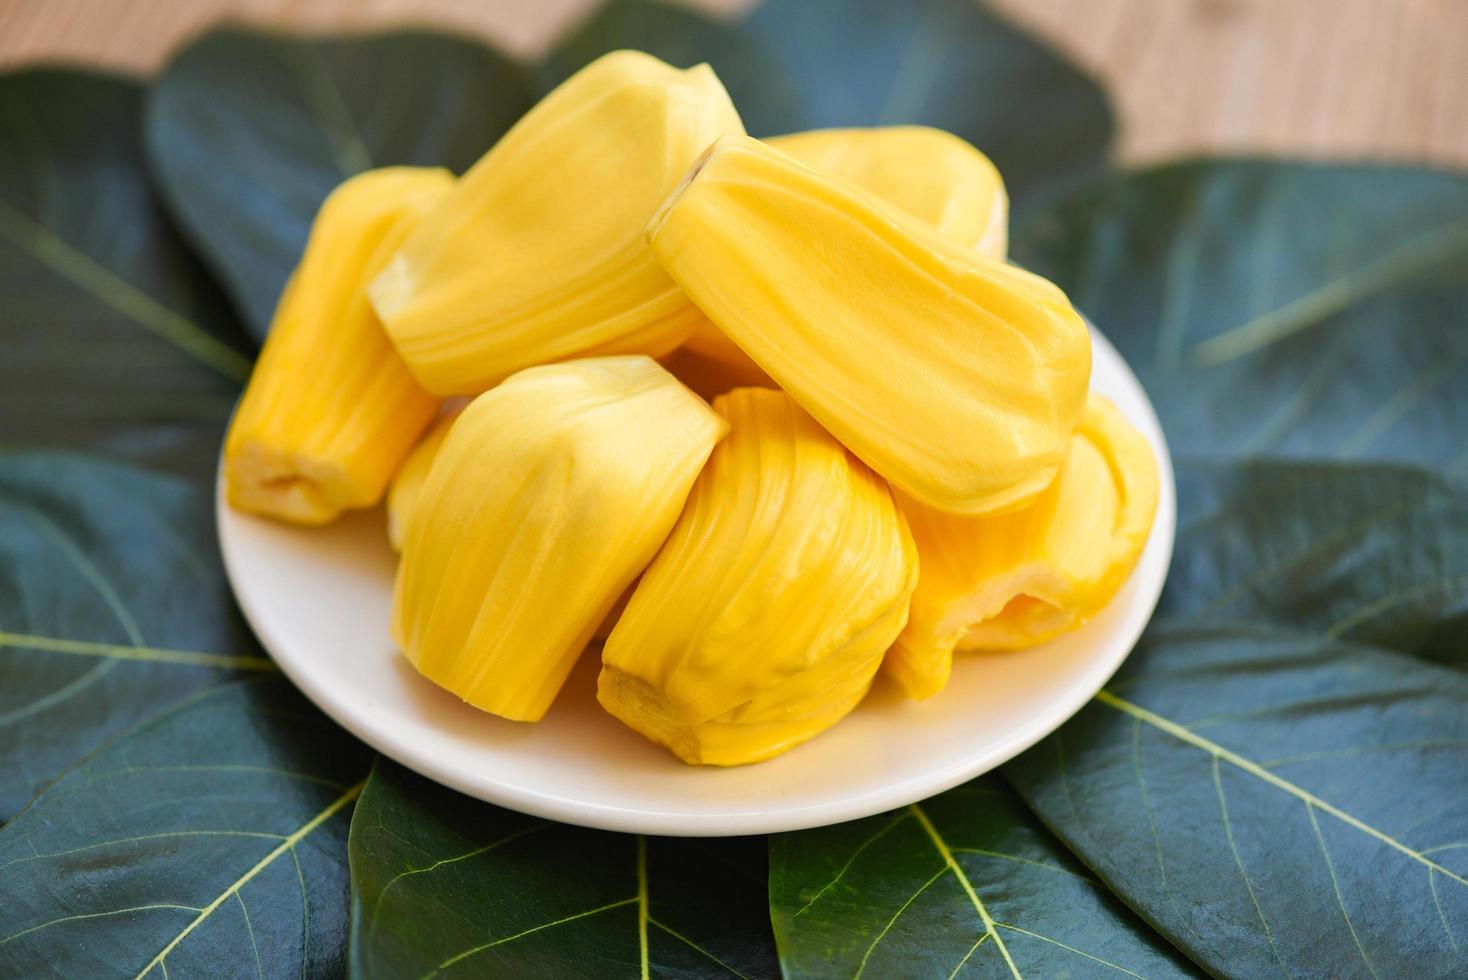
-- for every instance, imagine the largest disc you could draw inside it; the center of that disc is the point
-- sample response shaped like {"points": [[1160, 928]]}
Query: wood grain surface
{"points": [[1379, 79]]}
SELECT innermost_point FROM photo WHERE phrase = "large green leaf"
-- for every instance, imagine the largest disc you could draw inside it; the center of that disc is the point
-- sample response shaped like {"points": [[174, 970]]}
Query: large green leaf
{"points": [[804, 64], [211, 841], [249, 131], [946, 63], [966, 884], [1273, 778], [1373, 554], [1274, 801], [112, 607], [1299, 309], [113, 338], [761, 87], [448, 886]]}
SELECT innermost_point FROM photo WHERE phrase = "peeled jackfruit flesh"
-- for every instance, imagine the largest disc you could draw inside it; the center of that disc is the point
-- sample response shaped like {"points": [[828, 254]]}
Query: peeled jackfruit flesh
{"points": [[955, 376], [767, 612], [407, 482], [936, 177], [331, 409], [1021, 578], [538, 254], [551, 492]]}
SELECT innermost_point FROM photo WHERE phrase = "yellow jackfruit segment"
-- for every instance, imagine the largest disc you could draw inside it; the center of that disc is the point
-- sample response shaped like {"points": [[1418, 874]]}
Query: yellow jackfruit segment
{"points": [[407, 482], [538, 254], [934, 176], [549, 495], [331, 409], [407, 487], [938, 178], [1023, 577], [766, 614], [956, 377]]}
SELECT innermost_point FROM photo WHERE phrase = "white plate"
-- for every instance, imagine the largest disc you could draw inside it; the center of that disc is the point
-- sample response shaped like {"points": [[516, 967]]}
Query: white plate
{"points": [[319, 601]]}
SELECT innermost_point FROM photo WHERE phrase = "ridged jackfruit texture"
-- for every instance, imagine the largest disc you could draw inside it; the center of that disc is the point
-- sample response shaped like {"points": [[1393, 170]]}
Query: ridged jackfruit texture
{"points": [[766, 614], [331, 409], [538, 254], [407, 482], [956, 377], [1021, 578], [549, 495], [936, 177]]}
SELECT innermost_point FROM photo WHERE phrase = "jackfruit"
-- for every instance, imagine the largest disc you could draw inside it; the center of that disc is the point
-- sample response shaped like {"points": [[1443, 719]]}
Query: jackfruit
{"points": [[538, 254], [932, 175], [936, 177], [956, 377], [766, 614], [549, 495], [1024, 577], [407, 482], [330, 409]]}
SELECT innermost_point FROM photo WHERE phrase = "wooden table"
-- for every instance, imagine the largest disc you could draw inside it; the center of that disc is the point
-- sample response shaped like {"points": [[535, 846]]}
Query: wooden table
{"points": [[1381, 79]]}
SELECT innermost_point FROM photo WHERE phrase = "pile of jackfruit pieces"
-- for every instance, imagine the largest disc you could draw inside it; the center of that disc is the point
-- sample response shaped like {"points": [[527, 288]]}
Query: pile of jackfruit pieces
{"points": [[901, 458]]}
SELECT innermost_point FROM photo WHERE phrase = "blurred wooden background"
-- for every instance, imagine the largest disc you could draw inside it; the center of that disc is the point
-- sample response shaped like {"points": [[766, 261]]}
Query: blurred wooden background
{"points": [[1341, 78]]}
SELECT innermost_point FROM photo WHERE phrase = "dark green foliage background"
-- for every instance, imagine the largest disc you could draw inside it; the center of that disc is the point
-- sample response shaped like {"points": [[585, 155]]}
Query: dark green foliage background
{"points": [[1270, 786]]}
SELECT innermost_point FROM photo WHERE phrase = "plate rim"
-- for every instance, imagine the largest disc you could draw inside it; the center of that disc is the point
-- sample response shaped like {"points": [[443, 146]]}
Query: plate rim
{"points": [[889, 796]]}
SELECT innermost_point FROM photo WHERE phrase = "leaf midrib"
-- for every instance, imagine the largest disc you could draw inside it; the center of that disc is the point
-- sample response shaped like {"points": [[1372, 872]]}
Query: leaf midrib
{"points": [[112, 290], [1216, 750], [286, 845], [124, 651], [1332, 298]]}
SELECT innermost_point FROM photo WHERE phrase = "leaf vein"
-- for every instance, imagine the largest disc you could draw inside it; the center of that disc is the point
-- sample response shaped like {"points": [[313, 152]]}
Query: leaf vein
{"points": [[1228, 830], [534, 929], [1067, 946], [851, 860], [1378, 606], [120, 651], [1336, 886], [971, 950], [861, 968], [114, 291], [288, 844], [1254, 769], [259, 970], [1432, 886], [1023, 860], [140, 837], [942, 847], [426, 869], [693, 945], [1332, 298]]}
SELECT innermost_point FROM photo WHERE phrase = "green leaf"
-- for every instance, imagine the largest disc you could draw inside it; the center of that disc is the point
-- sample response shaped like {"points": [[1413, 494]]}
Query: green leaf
{"points": [[114, 339], [1292, 309], [112, 607], [966, 884], [248, 131], [760, 86], [1274, 802], [805, 64], [1371, 554], [953, 64], [208, 842], [1274, 778], [444, 885]]}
